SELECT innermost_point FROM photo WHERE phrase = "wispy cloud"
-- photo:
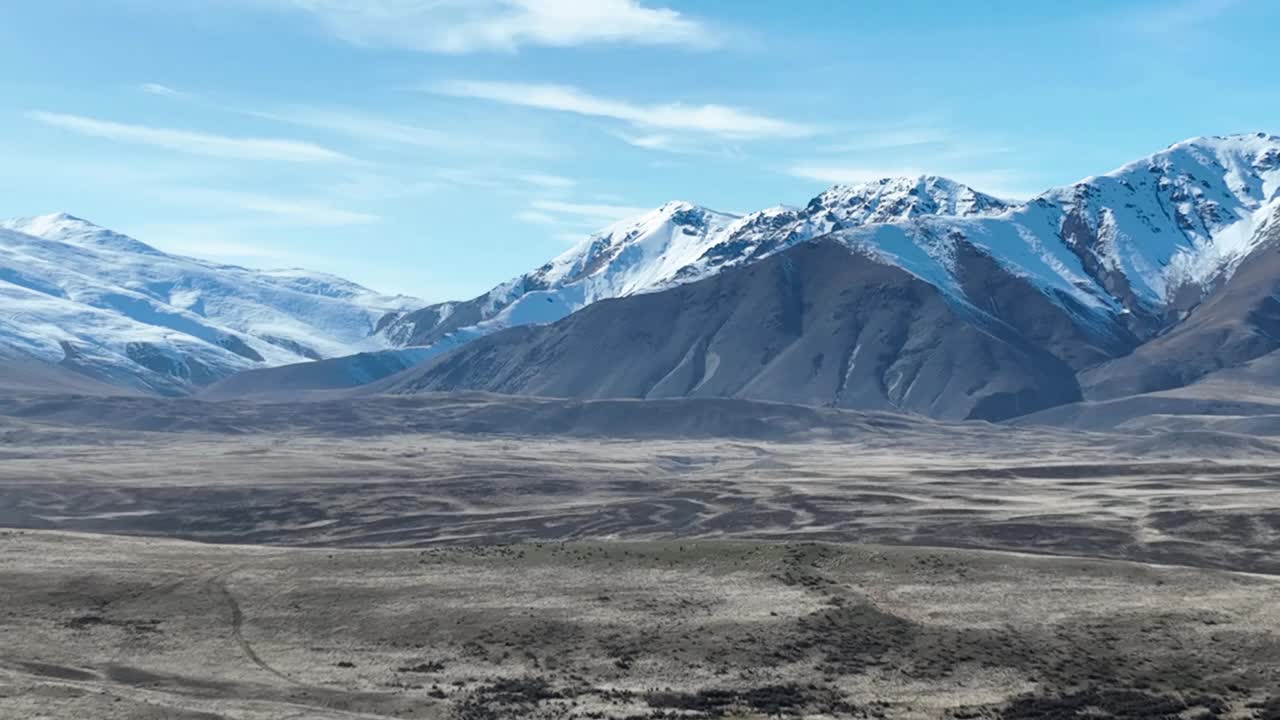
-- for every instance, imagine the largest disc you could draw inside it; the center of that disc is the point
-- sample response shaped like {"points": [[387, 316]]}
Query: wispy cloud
{"points": [[296, 211], [594, 212], [303, 212], [535, 217], [465, 26], [929, 141], [652, 141], [222, 241], [572, 221], [508, 181], [195, 143], [678, 143], [548, 182], [367, 127], [372, 128], [1178, 15], [710, 119], [163, 91], [891, 140]]}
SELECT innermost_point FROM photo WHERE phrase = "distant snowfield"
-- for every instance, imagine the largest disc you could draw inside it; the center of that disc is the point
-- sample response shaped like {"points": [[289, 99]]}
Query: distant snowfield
{"points": [[120, 310]]}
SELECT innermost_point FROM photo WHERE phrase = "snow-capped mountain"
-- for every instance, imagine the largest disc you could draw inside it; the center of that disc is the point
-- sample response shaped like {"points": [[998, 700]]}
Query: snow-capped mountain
{"points": [[677, 243], [1142, 243], [928, 296], [1145, 242], [1062, 285], [817, 323], [113, 308], [1159, 232]]}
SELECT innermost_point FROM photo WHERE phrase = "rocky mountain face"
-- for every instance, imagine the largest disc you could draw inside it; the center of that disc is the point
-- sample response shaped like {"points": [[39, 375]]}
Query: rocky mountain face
{"points": [[1161, 233], [1237, 322], [817, 324], [117, 311]]}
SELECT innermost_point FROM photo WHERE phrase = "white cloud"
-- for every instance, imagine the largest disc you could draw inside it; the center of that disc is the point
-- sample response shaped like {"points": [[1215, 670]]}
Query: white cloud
{"points": [[505, 180], [303, 212], [588, 211], [299, 212], [195, 143], [549, 182], [572, 221], [535, 217], [464, 26], [367, 127], [371, 128], [207, 240], [712, 119], [362, 126], [656, 141], [892, 140], [162, 90]]}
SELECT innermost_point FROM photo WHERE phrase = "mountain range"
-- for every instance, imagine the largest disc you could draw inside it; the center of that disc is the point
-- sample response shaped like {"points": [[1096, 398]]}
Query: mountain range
{"points": [[912, 294]]}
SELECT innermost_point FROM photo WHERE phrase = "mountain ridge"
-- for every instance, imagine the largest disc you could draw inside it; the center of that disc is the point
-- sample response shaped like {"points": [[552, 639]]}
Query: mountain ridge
{"points": [[1086, 230], [682, 242], [120, 311], [1087, 273]]}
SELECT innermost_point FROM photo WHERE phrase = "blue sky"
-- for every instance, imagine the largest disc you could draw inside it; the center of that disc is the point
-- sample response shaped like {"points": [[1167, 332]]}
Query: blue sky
{"points": [[437, 147]]}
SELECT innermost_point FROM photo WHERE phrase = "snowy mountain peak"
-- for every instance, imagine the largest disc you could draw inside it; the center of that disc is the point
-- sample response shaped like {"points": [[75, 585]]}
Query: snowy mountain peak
{"points": [[674, 206], [680, 242], [67, 228], [1211, 154], [1254, 145], [119, 310], [903, 198], [1171, 224], [679, 212], [638, 250]]}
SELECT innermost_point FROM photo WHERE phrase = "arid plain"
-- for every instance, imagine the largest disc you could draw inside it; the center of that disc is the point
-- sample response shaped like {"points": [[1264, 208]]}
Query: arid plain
{"points": [[479, 557]]}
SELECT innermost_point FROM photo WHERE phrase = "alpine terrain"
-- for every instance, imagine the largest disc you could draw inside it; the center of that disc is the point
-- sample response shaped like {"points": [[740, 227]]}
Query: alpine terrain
{"points": [[94, 308], [921, 295], [911, 294]]}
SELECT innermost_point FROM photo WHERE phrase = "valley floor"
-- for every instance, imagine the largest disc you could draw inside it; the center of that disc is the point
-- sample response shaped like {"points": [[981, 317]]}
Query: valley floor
{"points": [[112, 627], [406, 560], [958, 486]]}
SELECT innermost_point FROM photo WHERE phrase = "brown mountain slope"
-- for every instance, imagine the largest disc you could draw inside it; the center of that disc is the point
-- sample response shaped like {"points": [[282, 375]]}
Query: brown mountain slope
{"points": [[818, 324]]}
